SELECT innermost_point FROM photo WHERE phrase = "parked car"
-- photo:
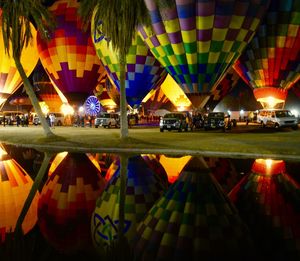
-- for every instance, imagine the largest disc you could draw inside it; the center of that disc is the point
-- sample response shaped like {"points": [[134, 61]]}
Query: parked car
{"points": [[175, 121], [217, 120], [107, 120], [277, 118]]}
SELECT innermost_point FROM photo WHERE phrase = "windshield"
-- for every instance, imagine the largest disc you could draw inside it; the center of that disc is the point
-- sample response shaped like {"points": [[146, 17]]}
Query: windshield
{"points": [[283, 114]]}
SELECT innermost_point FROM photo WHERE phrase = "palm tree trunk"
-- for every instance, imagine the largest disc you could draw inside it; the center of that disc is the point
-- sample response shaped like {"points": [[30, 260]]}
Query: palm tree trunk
{"points": [[33, 99], [123, 102], [123, 185], [35, 186]]}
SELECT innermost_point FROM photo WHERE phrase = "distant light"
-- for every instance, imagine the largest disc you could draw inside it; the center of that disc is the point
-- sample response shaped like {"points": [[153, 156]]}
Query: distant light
{"points": [[229, 112], [295, 112], [67, 109], [242, 112], [81, 109]]}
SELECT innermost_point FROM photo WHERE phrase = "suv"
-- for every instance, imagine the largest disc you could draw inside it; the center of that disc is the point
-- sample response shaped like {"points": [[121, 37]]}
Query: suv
{"points": [[217, 120], [175, 121], [107, 120], [277, 118]]}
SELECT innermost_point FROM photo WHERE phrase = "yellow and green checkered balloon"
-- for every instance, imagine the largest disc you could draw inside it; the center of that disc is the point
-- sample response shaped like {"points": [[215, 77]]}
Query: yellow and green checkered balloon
{"points": [[143, 71], [143, 188], [193, 220], [197, 41]]}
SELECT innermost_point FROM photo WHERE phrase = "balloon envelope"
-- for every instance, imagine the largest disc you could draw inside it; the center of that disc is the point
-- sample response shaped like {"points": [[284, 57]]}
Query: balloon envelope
{"points": [[10, 78], [270, 63], [197, 41], [143, 71], [69, 58]]}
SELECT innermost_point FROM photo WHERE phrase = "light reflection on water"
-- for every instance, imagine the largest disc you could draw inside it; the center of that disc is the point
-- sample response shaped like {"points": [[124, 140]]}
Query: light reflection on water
{"points": [[147, 207]]}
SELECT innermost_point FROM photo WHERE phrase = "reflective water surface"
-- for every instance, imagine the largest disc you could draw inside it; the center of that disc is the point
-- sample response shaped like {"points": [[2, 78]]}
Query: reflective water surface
{"points": [[146, 207]]}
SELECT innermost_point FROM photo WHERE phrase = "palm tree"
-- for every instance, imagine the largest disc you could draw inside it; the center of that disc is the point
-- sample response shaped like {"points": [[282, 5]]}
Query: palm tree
{"points": [[16, 18], [122, 17]]}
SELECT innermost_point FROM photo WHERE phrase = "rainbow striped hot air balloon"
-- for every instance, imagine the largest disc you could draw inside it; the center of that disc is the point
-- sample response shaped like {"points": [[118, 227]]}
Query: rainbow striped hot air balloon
{"points": [[143, 188], [67, 201], [193, 220], [143, 71], [268, 202], [197, 41], [270, 63], [69, 58], [10, 79], [15, 185]]}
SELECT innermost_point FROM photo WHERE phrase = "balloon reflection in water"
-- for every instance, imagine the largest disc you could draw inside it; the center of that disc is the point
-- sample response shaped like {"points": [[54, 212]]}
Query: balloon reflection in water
{"points": [[194, 220], [197, 41], [173, 166], [67, 202], [268, 201], [224, 172], [15, 185], [143, 188]]}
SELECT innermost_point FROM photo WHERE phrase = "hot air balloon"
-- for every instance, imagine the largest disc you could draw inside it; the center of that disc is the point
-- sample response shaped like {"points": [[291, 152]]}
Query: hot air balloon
{"points": [[143, 71], [15, 185], [193, 220], [143, 188], [107, 94], [270, 63], [67, 201], [10, 79], [175, 94], [268, 202], [69, 58], [224, 87], [155, 100], [197, 41], [44, 89]]}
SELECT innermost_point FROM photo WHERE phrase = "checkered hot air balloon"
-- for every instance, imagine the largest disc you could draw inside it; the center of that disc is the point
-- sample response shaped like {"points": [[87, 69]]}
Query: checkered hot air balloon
{"points": [[193, 220], [69, 58], [67, 201], [197, 41], [224, 87], [143, 71], [224, 171], [270, 63], [143, 188], [10, 79], [15, 185], [268, 202]]}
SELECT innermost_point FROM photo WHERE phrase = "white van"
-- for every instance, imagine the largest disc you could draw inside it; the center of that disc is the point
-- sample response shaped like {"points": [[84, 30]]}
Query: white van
{"points": [[277, 118], [59, 119]]}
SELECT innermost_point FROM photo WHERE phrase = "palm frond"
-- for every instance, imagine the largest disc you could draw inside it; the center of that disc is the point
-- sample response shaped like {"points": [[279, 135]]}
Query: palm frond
{"points": [[16, 19], [85, 11], [120, 21]]}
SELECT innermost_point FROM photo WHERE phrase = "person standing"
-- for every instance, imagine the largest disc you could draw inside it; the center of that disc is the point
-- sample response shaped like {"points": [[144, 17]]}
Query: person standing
{"points": [[52, 120]]}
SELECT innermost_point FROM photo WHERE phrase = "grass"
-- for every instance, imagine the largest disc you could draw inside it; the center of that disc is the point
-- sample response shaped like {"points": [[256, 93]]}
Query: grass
{"points": [[242, 141]]}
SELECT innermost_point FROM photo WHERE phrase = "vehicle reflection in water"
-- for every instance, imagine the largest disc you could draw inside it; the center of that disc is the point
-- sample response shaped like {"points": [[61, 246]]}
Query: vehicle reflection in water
{"points": [[147, 207]]}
